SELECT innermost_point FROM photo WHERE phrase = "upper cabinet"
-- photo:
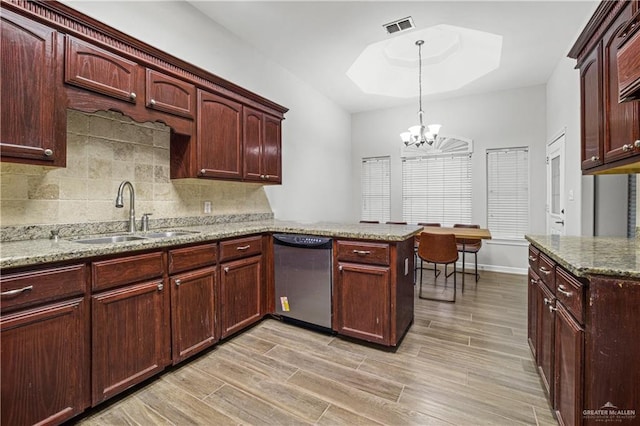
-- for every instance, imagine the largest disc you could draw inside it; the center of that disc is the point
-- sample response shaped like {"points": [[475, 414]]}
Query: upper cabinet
{"points": [[33, 129], [629, 60], [54, 58], [610, 130]]}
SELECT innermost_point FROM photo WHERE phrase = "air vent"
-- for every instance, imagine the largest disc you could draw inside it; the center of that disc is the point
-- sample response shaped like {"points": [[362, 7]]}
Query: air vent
{"points": [[399, 25]]}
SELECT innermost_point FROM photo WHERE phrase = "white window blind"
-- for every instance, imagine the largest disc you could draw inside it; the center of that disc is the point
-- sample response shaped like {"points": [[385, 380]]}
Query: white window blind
{"points": [[437, 189], [508, 192], [376, 184]]}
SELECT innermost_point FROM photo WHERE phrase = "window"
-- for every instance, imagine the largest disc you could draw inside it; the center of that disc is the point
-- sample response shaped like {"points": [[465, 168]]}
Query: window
{"points": [[376, 183], [437, 189], [508, 192]]}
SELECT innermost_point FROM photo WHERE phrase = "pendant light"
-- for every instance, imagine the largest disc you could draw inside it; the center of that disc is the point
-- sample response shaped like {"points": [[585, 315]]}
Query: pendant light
{"points": [[419, 135]]}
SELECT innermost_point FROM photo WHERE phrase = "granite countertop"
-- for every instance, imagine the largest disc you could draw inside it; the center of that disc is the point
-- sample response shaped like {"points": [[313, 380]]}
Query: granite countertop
{"points": [[39, 251], [585, 256]]}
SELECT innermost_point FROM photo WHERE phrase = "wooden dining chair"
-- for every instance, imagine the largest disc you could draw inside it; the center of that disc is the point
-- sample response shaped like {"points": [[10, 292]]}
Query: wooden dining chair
{"points": [[466, 245], [438, 249], [369, 221]]}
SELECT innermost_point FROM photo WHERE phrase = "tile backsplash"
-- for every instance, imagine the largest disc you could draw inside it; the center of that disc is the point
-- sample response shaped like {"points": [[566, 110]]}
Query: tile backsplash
{"points": [[103, 149]]}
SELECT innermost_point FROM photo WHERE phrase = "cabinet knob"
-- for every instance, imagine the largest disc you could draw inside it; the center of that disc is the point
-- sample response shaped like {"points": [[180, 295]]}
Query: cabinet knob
{"points": [[152, 102], [178, 282], [552, 308], [133, 96], [49, 152], [160, 287], [533, 282], [546, 301], [562, 289], [262, 177], [267, 177], [226, 269], [627, 147], [202, 171], [595, 158], [340, 268], [637, 143]]}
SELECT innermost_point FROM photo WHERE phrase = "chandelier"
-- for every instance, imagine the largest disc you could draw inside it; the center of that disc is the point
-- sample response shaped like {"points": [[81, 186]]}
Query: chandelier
{"points": [[419, 135]]}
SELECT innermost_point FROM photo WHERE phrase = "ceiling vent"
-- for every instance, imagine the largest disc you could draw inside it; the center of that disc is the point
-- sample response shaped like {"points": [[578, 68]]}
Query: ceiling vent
{"points": [[399, 25]]}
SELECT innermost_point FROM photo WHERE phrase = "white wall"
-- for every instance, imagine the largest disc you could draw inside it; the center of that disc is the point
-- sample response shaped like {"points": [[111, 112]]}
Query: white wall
{"points": [[500, 119], [315, 136]]}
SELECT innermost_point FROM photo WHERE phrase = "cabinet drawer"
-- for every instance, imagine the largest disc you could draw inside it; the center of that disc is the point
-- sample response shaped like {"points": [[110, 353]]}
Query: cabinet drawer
{"points": [[359, 252], [187, 258], [546, 271], [28, 288], [570, 292], [534, 255], [124, 270], [242, 247]]}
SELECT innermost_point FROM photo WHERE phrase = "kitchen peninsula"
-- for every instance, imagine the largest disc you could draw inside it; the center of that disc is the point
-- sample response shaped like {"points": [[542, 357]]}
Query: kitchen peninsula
{"points": [[174, 297], [583, 324]]}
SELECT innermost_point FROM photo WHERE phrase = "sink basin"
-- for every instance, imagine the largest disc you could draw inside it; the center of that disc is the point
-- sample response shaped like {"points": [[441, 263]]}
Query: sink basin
{"points": [[167, 234], [109, 240]]}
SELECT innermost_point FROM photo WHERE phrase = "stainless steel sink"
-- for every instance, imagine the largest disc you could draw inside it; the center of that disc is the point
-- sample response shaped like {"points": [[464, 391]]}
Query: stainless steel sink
{"points": [[167, 234], [109, 240]]}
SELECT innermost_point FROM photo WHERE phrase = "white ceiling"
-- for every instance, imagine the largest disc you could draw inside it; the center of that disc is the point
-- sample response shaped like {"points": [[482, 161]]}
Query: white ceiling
{"points": [[319, 40]]}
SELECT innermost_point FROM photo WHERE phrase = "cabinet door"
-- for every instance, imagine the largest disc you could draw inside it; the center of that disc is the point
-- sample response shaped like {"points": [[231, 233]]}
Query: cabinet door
{"points": [[98, 70], [241, 294], [591, 109], [569, 343], [168, 94], [219, 136], [33, 126], [533, 307], [128, 337], [621, 120], [192, 312], [361, 302], [545, 336], [45, 363], [253, 144], [271, 150]]}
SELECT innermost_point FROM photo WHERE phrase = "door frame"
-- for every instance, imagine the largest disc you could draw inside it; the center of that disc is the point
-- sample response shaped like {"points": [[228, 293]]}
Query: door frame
{"points": [[555, 223]]}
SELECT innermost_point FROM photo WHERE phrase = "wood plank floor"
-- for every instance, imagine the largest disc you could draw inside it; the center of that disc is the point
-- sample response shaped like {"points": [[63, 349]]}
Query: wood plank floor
{"points": [[466, 363]]}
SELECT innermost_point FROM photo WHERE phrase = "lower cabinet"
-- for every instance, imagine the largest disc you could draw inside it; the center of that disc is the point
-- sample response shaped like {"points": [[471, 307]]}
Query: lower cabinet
{"points": [[128, 337], [362, 305], [545, 335], [532, 309], [193, 312], [45, 361], [240, 294], [569, 349]]}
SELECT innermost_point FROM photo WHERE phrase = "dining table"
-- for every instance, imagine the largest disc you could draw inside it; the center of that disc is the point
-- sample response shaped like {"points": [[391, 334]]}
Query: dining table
{"points": [[461, 233]]}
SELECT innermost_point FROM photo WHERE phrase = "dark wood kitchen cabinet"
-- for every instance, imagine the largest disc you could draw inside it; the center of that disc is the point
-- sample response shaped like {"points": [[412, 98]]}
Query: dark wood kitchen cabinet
{"points": [[610, 129], [629, 60], [373, 290], [568, 364], [241, 284], [169, 94], [532, 310], [130, 323], [44, 330], [546, 335], [219, 136], [261, 147], [92, 68], [193, 283], [33, 129]]}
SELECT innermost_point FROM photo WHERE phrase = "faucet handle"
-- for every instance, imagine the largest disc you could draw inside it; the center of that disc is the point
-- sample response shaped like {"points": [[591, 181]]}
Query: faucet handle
{"points": [[145, 221]]}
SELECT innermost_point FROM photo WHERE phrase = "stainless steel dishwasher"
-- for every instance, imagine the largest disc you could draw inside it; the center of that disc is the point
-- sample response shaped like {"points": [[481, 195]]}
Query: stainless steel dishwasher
{"points": [[303, 265]]}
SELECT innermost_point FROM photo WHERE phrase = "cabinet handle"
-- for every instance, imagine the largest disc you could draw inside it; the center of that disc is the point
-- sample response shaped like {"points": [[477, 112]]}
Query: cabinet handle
{"points": [[243, 248], [362, 252], [552, 308], [627, 147], [160, 287], [533, 258], [152, 102], [544, 270], [595, 158], [48, 152], [562, 289], [17, 291], [226, 269], [133, 96], [178, 282]]}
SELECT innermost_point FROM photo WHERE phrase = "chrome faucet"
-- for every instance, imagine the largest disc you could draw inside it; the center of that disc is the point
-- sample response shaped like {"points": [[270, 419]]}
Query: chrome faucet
{"points": [[132, 203]]}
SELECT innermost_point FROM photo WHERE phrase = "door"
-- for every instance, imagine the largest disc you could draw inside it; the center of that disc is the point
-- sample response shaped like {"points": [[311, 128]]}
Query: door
{"points": [[253, 137], [591, 109], [555, 187], [192, 312], [568, 368], [545, 335], [241, 294], [533, 308], [271, 150]]}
